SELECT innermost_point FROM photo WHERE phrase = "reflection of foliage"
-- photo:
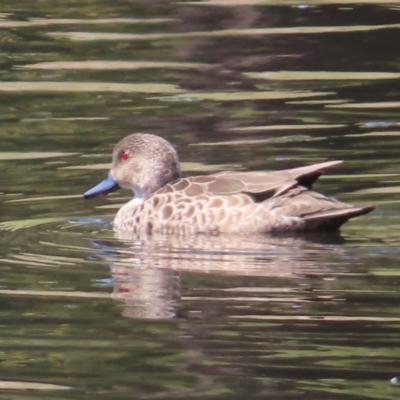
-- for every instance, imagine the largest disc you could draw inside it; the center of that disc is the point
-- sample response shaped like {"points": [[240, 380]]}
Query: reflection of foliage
{"points": [[8, 37], [86, 353]]}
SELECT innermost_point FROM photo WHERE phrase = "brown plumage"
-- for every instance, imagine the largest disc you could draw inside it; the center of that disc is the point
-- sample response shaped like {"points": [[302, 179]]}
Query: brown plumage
{"points": [[231, 202]]}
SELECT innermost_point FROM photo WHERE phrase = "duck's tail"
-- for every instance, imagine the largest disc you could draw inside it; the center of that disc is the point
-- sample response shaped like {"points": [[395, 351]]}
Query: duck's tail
{"points": [[333, 219]]}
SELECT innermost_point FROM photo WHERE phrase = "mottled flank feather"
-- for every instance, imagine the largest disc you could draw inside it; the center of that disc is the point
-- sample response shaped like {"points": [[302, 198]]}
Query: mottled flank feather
{"points": [[232, 202]]}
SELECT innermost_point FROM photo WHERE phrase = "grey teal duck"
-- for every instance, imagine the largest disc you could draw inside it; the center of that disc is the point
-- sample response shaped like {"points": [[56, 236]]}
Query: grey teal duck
{"points": [[227, 202]]}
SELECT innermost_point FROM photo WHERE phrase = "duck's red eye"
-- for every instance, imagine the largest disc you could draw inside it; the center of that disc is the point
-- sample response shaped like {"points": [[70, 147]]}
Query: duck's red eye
{"points": [[124, 155]]}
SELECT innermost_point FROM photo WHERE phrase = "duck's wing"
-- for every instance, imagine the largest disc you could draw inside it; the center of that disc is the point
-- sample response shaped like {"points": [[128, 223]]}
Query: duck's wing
{"points": [[259, 184], [305, 176]]}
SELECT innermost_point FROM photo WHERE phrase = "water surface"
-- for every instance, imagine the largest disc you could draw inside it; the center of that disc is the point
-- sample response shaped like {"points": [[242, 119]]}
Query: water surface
{"points": [[235, 85]]}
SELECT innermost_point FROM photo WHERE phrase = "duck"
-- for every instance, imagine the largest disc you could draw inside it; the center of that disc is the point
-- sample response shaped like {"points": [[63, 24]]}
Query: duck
{"points": [[254, 202]]}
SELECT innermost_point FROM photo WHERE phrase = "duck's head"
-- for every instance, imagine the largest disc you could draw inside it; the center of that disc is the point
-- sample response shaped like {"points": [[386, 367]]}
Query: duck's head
{"points": [[141, 162]]}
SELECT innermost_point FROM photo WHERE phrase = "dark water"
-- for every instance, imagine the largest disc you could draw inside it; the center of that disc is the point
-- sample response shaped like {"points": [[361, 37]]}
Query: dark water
{"points": [[246, 85]]}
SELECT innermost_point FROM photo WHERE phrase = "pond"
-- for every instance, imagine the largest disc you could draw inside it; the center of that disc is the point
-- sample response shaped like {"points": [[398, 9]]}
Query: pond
{"points": [[234, 85]]}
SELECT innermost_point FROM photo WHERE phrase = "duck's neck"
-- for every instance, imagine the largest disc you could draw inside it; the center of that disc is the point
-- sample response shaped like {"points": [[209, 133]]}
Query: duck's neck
{"points": [[139, 194]]}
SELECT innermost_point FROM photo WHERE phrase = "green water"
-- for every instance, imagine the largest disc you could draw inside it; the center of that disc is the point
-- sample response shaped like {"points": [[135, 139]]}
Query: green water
{"points": [[239, 85]]}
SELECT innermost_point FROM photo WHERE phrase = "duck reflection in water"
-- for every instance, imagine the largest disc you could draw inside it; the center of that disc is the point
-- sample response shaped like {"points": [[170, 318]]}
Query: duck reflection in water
{"points": [[146, 274]]}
